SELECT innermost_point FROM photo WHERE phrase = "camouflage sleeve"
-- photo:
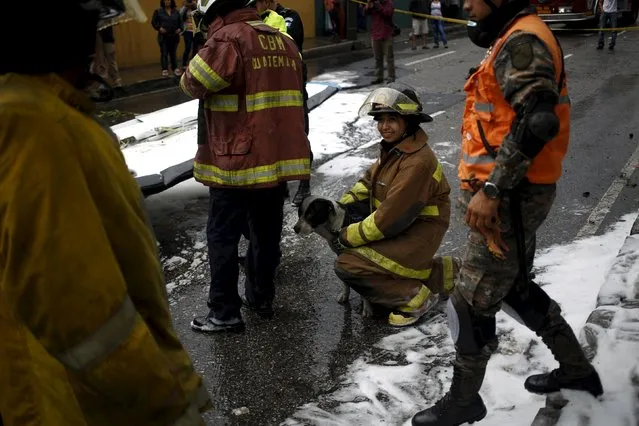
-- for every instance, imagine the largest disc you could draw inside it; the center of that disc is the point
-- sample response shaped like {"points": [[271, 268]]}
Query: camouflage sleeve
{"points": [[523, 66]]}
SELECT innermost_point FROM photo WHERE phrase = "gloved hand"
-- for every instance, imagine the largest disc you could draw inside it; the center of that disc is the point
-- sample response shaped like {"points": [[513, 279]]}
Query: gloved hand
{"points": [[336, 245]]}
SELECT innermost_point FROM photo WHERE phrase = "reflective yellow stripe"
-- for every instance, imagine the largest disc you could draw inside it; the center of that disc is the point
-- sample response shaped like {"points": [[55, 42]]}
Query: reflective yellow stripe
{"points": [[183, 86], [258, 24], [276, 99], [353, 236], [370, 230], [225, 103], [482, 107], [358, 192], [426, 211], [206, 76], [391, 265], [191, 416], [347, 199], [564, 99], [257, 175], [449, 273], [438, 172], [429, 211], [103, 341], [477, 159]]}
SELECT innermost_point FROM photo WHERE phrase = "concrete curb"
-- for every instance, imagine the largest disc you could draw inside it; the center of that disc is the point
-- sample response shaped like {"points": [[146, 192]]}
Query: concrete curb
{"points": [[313, 53], [616, 317]]}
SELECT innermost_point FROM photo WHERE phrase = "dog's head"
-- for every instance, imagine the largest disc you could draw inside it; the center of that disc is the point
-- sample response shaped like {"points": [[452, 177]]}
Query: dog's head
{"points": [[312, 213]]}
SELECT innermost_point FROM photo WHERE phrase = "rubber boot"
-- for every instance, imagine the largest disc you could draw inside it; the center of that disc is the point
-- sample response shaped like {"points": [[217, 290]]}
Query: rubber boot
{"points": [[462, 404], [574, 372]]}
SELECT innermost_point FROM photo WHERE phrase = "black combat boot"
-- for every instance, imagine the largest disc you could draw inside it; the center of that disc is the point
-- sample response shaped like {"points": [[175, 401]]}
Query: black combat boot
{"points": [[462, 404], [574, 372], [303, 191]]}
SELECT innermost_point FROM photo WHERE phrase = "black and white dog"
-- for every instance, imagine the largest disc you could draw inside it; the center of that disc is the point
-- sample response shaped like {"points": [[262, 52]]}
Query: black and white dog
{"points": [[326, 218]]}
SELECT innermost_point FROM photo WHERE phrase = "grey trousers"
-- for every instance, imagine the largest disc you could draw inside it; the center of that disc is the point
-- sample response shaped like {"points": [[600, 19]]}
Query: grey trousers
{"points": [[383, 48]]}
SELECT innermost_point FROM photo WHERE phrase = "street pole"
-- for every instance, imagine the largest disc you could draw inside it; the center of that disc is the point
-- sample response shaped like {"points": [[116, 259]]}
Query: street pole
{"points": [[351, 20]]}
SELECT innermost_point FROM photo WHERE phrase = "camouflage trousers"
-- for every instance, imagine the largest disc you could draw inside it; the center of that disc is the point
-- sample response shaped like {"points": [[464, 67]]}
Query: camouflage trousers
{"points": [[486, 282], [485, 279]]}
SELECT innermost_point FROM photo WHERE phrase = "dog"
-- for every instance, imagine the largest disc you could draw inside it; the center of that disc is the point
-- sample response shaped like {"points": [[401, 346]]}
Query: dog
{"points": [[326, 218]]}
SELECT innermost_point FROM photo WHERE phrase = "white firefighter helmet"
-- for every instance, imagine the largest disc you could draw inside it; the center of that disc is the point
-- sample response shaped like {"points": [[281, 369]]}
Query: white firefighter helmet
{"points": [[401, 100]]}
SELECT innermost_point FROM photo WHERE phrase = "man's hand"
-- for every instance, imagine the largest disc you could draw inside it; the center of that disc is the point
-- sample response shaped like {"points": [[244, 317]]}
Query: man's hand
{"points": [[162, 30], [483, 216]]}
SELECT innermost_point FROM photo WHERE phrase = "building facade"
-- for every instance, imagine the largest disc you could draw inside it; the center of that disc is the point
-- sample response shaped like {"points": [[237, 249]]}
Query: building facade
{"points": [[137, 43]]}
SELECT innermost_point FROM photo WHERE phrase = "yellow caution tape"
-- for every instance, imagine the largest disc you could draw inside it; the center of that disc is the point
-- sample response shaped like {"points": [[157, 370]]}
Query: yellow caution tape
{"points": [[465, 22], [423, 15]]}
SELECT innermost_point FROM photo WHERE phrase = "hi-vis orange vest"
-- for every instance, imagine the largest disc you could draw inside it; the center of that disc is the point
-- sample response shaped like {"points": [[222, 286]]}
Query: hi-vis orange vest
{"points": [[488, 116]]}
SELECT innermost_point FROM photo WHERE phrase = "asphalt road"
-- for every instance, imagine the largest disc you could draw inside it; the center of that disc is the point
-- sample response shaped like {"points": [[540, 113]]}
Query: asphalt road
{"points": [[298, 356]]}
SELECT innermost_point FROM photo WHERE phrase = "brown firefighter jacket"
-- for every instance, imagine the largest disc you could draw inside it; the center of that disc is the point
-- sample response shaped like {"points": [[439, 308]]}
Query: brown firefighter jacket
{"points": [[86, 337], [250, 77], [408, 196]]}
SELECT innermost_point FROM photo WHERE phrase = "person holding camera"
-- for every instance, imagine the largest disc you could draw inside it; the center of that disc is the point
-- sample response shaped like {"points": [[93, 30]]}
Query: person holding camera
{"points": [[381, 12]]}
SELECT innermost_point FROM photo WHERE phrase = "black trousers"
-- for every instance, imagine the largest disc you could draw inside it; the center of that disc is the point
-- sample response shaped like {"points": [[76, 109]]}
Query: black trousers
{"points": [[189, 50], [168, 50], [229, 210]]}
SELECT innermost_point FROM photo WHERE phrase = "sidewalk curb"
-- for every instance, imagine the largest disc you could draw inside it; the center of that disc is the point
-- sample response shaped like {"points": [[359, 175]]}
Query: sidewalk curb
{"points": [[343, 47], [614, 318]]}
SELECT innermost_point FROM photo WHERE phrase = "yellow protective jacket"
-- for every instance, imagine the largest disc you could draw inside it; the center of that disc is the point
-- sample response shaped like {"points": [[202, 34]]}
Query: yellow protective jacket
{"points": [[85, 329]]}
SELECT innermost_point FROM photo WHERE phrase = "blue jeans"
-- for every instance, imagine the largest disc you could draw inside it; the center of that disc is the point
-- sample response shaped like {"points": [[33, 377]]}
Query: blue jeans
{"points": [[608, 19], [439, 33]]}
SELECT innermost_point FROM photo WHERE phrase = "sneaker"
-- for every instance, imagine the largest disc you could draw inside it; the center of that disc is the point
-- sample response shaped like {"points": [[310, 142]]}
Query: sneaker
{"points": [[177, 72], [165, 73], [416, 308], [377, 81], [600, 47], [390, 80], [436, 46], [209, 324], [425, 47], [445, 46], [611, 47], [413, 48], [264, 310]]}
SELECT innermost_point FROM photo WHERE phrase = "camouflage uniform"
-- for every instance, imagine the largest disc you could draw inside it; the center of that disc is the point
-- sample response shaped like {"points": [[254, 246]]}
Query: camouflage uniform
{"points": [[522, 67]]}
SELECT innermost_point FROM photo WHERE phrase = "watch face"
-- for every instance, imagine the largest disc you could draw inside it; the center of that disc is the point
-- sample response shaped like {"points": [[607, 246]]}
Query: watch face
{"points": [[491, 190]]}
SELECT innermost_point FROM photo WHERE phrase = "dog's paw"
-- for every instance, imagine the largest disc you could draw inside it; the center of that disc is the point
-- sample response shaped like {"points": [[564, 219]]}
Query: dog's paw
{"points": [[344, 295], [367, 309]]}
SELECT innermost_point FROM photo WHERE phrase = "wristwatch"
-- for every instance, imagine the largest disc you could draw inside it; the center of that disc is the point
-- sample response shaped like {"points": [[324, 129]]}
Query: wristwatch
{"points": [[491, 190]]}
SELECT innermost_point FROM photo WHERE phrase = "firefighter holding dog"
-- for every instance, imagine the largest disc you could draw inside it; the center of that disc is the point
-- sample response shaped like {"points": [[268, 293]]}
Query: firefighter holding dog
{"points": [[85, 328], [515, 134], [399, 212]]}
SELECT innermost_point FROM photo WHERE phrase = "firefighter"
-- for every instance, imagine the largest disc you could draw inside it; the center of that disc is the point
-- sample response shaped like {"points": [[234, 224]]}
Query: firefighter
{"points": [[515, 134], [288, 21], [399, 212], [250, 78], [85, 325]]}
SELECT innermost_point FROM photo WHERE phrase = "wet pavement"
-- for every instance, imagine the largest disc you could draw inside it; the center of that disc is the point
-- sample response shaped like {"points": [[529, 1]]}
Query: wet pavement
{"points": [[301, 354]]}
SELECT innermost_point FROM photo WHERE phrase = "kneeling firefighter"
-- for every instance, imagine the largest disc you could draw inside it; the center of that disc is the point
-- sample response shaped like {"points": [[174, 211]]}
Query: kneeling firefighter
{"points": [[399, 212], [85, 328], [515, 135]]}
